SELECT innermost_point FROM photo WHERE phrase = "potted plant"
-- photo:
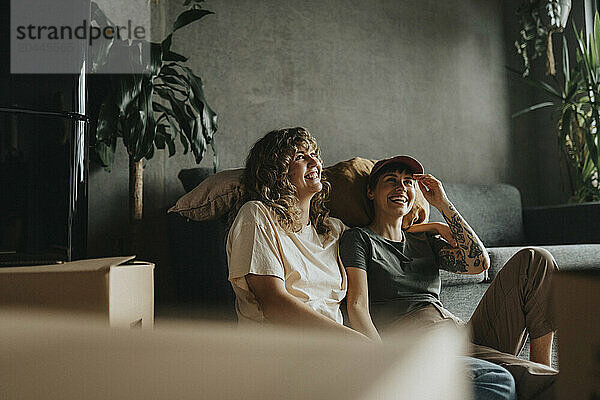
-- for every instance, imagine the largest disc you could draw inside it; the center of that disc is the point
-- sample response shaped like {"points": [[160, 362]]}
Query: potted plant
{"points": [[539, 19], [577, 102], [150, 110]]}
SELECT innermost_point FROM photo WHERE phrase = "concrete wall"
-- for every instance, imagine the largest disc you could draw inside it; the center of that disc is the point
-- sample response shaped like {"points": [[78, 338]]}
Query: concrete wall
{"points": [[368, 78]]}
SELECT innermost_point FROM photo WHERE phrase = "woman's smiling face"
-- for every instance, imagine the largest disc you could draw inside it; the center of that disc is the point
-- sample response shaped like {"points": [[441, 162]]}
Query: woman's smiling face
{"points": [[305, 170], [394, 193]]}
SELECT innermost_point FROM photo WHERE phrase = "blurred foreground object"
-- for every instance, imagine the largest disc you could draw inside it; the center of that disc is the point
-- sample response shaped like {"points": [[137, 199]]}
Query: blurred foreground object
{"points": [[55, 357], [577, 295]]}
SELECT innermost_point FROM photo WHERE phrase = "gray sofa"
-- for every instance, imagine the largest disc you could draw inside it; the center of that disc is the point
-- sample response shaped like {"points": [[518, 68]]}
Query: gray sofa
{"points": [[199, 269]]}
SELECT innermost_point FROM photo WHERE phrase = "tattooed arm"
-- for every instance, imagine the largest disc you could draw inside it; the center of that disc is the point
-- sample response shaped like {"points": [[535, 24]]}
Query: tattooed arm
{"points": [[469, 256], [438, 228]]}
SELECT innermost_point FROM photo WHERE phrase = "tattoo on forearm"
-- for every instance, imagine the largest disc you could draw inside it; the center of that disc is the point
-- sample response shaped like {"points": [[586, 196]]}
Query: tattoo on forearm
{"points": [[456, 228], [475, 250], [455, 259]]}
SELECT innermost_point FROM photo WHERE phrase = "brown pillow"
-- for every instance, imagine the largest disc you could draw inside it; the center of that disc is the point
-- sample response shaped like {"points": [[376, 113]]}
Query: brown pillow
{"points": [[213, 197], [218, 194]]}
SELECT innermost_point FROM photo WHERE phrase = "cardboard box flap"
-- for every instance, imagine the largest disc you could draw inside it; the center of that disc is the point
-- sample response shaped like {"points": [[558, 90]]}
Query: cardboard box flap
{"points": [[93, 264]]}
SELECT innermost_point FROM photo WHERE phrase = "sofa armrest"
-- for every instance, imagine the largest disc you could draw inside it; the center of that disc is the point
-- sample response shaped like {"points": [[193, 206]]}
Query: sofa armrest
{"points": [[562, 224]]}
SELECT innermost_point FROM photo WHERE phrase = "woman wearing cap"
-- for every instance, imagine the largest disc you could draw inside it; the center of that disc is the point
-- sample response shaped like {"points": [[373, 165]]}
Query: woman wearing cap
{"points": [[394, 281]]}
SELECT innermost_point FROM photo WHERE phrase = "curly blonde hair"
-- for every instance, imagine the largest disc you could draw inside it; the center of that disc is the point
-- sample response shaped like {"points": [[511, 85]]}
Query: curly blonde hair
{"points": [[266, 179]]}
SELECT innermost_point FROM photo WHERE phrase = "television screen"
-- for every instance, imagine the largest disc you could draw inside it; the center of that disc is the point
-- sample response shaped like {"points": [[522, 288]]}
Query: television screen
{"points": [[43, 200]]}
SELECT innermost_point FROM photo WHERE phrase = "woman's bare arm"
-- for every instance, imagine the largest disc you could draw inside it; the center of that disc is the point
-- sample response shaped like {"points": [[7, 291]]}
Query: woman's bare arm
{"points": [[280, 307], [436, 227], [357, 302], [470, 256]]}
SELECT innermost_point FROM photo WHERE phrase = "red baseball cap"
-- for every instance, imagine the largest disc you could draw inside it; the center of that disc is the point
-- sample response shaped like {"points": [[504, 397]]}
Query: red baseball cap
{"points": [[408, 161]]}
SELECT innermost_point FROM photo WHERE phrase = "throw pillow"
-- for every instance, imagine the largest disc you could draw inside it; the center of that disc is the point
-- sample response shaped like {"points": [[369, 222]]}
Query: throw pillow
{"points": [[212, 198], [218, 194]]}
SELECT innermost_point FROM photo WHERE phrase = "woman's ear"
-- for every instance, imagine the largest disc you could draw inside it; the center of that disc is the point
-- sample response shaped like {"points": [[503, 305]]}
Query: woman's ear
{"points": [[370, 194]]}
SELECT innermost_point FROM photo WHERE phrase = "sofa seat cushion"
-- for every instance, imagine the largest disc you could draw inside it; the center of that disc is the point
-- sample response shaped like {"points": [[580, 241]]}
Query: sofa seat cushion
{"points": [[568, 257], [452, 279], [462, 300]]}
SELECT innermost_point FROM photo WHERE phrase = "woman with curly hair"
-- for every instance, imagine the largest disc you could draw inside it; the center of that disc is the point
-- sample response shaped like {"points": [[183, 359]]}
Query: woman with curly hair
{"points": [[282, 248]]}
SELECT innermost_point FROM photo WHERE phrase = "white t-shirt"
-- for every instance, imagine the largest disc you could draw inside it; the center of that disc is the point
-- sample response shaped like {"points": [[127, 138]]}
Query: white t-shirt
{"points": [[308, 264]]}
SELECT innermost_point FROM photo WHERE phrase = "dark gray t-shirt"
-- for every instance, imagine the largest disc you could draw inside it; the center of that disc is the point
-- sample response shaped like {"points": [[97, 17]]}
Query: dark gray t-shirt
{"points": [[402, 276]]}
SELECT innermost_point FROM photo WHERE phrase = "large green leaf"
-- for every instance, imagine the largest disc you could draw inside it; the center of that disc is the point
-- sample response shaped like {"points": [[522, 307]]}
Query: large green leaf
{"points": [[174, 82], [169, 70], [156, 59], [215, 156], [163, 138], [198, 141], [170, 116], [106, 152], [150, 153], [161, 134], [178, 107], [189, 16], [166, 44], [106, 126], [100, 52], [207, 118], [172, 56], [533, 108], [107, 131], [596, 40], [585, 57], [566, 68], [589, 139], [134, 125], [129, 88], [196, 2], [565, 124], [146, 145], [536, 83]]}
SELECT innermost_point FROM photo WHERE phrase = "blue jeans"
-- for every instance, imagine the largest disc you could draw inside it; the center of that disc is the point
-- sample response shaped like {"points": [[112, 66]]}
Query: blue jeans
{"points": [[490, 381]]}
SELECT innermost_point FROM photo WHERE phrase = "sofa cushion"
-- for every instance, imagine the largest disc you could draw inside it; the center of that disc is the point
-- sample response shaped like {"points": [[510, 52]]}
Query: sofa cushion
{"points": [[190, 178], [452, 279], [216, 195], [463, 300], [568, 257], [493, 211], [212, 198]]}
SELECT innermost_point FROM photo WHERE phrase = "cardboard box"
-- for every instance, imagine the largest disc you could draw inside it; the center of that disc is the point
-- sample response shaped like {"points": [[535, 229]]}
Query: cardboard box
{"points": [[114, 289], [576, 302], [55, 358]]}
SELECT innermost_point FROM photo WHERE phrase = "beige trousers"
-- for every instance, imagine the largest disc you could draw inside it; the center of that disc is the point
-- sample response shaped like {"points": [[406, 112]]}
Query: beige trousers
{"points": [[516, 304]]}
